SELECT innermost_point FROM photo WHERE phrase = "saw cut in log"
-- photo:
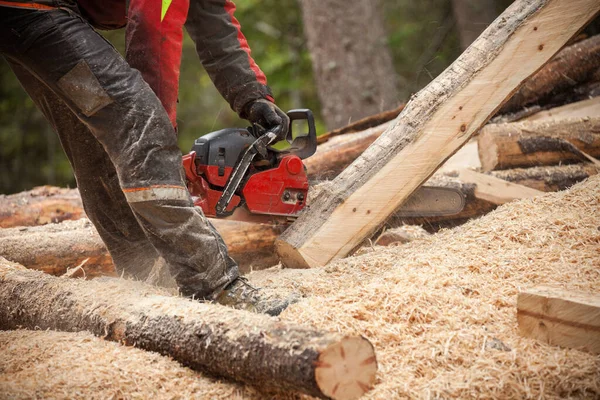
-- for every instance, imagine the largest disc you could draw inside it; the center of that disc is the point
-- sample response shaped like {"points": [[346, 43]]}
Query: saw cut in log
{"points": [[535, 143], [573, 65], [255, 349], [561, 318], [433, 126], [42, 205]]}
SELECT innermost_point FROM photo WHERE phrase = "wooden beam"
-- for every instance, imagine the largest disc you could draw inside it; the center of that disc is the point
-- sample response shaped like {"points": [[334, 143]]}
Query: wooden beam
{"points": [[560, 318], [432, 127], [535, 143], [495, 190], [252, 348]]}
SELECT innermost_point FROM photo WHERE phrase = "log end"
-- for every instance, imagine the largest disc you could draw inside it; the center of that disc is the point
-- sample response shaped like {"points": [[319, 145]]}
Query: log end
{"points": [[347, 369], [290, 256]]}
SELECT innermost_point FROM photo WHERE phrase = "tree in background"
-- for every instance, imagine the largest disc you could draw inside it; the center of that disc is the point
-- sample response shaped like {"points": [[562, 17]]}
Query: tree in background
{"points": [[472, 17], [351, 61]]}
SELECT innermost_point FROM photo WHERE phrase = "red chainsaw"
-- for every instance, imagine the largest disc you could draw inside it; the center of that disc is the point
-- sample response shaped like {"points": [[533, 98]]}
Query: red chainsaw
{"points": [[239, 173]]}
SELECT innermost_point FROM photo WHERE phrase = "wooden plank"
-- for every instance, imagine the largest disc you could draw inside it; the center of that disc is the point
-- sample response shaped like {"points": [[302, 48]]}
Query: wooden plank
{"points": [[560, 318], [496, 190], [433, 126]]}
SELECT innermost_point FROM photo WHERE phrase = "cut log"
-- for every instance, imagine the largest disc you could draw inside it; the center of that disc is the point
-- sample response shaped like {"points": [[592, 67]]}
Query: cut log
{"points": [[535, 143], [574, 65], [496, 190], [548, 179], [432, 127], [250, 348], [54, 248], [560, 318], [42, 205]]}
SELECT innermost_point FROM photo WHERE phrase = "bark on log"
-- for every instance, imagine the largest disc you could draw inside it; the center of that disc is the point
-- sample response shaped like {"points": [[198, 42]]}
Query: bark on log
{"points": [[42, 205], [548, 179], [535, 143], [574, 65], [433, 126], [250, 348]]}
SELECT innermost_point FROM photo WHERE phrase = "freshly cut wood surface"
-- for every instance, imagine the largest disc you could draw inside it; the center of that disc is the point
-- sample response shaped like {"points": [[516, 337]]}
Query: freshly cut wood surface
{"points": [[246, 347], [573, 65], [561, 318], [433, 126], [535, 143], [42, 205]]}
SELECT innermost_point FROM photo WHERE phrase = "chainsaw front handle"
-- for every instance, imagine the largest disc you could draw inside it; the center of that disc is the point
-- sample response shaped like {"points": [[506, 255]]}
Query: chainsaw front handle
{"points": [[303, 145]]}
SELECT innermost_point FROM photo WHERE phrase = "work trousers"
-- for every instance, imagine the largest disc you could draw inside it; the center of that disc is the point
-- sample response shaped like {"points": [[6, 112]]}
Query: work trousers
{"points": [[121, 145]]}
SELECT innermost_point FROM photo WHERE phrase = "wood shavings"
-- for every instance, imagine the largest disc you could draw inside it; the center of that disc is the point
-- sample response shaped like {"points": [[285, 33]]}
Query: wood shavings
{"points": [[441, 312]]}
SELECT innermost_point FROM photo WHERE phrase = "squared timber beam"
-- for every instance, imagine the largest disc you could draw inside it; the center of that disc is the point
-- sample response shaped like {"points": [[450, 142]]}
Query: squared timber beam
{"points": [[433, 126], [560, 318]]}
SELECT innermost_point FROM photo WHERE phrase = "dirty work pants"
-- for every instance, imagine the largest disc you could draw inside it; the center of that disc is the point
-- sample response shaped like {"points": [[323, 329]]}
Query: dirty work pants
{"points": [[122, 148]]}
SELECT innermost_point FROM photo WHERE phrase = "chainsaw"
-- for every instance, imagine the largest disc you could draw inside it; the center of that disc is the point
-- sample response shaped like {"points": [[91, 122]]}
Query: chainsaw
{"points": [[242, 174]]}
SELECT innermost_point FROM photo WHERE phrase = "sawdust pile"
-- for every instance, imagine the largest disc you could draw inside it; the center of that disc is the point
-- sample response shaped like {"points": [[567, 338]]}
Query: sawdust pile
{"points": [[441, 312], [47, 364]]}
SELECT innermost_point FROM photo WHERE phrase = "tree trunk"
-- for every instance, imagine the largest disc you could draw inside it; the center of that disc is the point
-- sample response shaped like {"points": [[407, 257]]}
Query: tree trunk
{"points": [[535, 143], [432, 127], [472, 17], [250, 348], [574, 65], [353, 66]]}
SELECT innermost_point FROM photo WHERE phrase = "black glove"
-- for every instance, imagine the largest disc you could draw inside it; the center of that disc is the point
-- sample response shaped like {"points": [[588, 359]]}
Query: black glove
{"points": [[266, 114]]}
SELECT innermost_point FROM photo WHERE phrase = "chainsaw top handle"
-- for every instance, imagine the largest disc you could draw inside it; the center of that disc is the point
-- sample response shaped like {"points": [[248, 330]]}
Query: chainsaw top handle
{"points": [[304, 145]]}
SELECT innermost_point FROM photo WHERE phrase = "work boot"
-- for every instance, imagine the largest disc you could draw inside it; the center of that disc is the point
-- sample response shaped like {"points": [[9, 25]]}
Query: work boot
{"points": [[241, 295]]}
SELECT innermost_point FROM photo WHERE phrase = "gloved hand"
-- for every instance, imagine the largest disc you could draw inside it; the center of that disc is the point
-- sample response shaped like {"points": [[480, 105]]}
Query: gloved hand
{"points": [[266, 114]]}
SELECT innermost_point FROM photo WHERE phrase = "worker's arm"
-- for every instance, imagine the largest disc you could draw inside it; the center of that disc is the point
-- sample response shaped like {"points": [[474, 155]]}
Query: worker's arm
{"points": [[225, 54]]}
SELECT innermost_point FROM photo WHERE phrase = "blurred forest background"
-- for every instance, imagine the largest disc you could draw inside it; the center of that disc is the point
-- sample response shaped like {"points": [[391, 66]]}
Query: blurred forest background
{"points": [[344, 59]]}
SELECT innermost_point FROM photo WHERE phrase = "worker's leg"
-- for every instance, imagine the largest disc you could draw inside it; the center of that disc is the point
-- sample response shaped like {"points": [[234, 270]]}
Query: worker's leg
{"points": [[127, 118], [102, 197]]}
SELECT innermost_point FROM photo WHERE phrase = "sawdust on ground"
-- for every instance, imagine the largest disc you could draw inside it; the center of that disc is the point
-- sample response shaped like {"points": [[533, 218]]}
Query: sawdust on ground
{"points": [[439, 310]]}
